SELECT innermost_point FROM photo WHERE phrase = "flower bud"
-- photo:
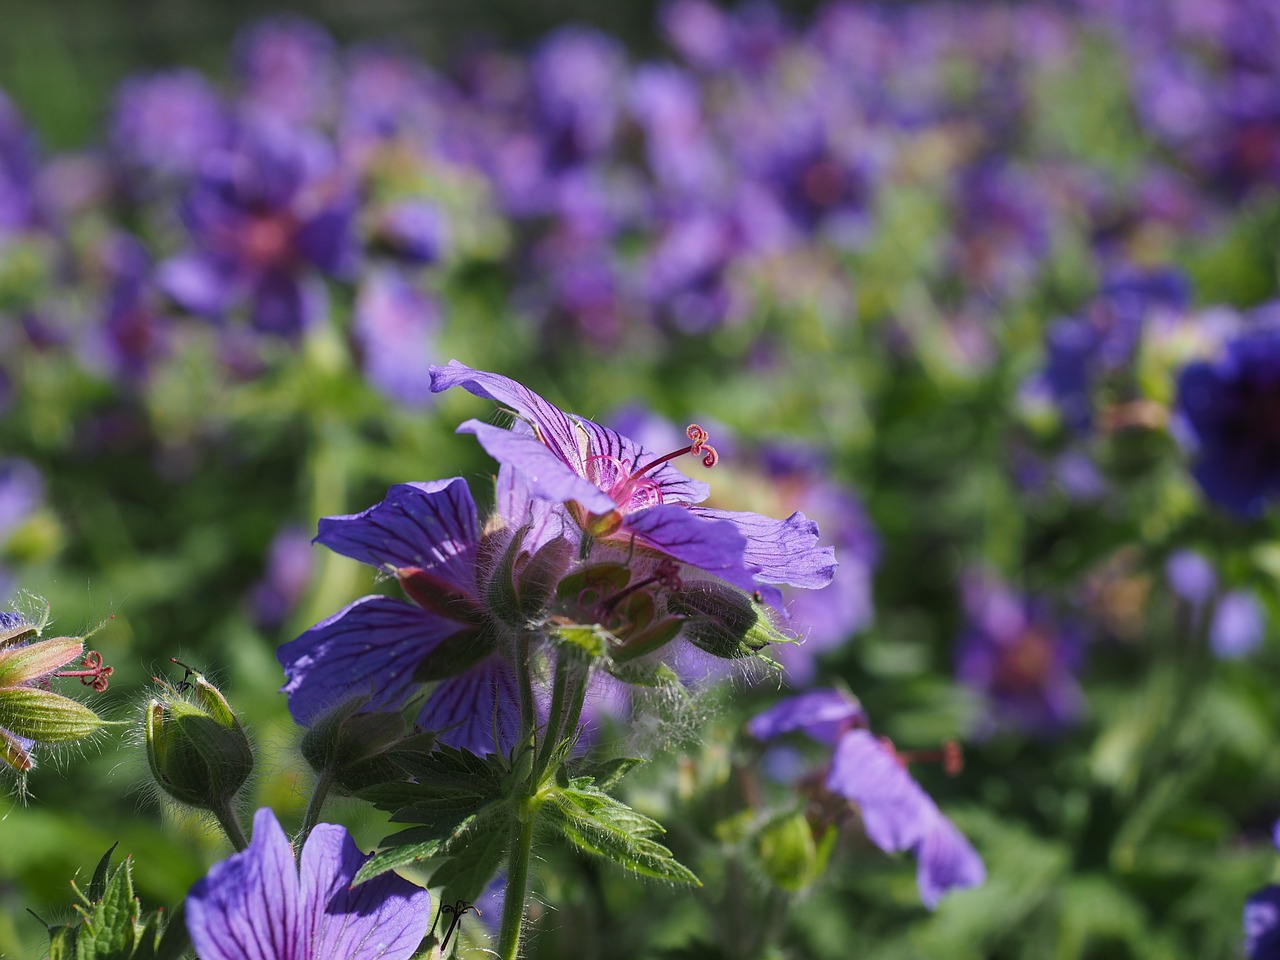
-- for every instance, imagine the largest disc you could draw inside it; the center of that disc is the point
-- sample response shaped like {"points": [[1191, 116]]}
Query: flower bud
{"points": [[198, 752], [723, 621], [362, 749]]}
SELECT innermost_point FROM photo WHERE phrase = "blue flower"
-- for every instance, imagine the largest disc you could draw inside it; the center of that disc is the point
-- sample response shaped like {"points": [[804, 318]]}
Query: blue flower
{"points": [[259, 905]]}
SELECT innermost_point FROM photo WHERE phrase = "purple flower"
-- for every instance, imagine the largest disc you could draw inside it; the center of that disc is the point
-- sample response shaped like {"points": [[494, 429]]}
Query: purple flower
{"points": [[289, 71], [1019, 659], [1238, 626], [1262, 924], [1191, 576], [412, 231], [166, 123], [259, 905], [288, 573], [394, 331], [577, 78], [616, 489], [383, 649], [264, 217], [1230, 408], [896, 813], [18, 165]]}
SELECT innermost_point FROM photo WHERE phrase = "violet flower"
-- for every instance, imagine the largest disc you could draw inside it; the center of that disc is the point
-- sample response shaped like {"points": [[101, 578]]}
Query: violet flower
{"points": [[289, 70], [1230, 407], [259, 905], [896, 813], [1238, 625], [265, 218], [1262, 917], [164, 124], [1020, 660], [394, 329], [617, 490], [383, 649]]}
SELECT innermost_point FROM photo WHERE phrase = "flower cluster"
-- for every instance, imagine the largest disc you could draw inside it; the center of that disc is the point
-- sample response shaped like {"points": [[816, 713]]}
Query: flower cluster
{"points": [[594, 540]]}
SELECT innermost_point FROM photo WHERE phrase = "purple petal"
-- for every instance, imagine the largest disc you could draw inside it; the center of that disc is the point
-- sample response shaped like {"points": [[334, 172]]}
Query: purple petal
{"points": [[393, 326], [327, 241], [715, 546], [547, 520], [946, 861], [822, 714], [285, 304], [896, 813], [246, 908], [572, 440], [428, 525], [369, 648], [468, 709], [783, 551], [197, 283], [1191, 576], [1238, 627], [383, 919], [546, 473]]}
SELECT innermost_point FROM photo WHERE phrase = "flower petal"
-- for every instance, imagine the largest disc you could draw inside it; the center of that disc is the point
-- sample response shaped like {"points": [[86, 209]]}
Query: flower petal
{"points": [[714, 545], [896, 813], [382, 919], [428, 525], [946, 861], [822, 714], [369, 648], [782, 551], [468, 709], [246, 908]]}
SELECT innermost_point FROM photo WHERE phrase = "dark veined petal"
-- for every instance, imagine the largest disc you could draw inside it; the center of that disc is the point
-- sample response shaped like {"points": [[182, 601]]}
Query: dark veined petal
{"points": [[715, 546], [821, 714], [896, 813], [548, 475], [247, 907], [432, 526], [946, 861], [546, 520], [782, 551], [555, 428], [369, 648], [382, 919], [572, 440], [468, 709]]}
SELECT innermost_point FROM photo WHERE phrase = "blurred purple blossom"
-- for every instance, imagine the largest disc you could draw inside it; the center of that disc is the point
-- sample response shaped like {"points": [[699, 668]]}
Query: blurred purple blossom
{"points": [[1238, 625], [289, 564], [289, 70], [1020, 660], [164, 124], [394, 327]]}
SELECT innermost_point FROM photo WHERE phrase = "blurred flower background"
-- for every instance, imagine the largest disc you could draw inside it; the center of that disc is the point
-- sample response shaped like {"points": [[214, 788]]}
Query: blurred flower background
{"points": [[989, 291]]}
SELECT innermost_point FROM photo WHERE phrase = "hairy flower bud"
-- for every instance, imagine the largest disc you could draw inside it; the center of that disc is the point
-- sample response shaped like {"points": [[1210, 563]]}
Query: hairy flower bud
{"points": [[198, 752], [362, 749]]}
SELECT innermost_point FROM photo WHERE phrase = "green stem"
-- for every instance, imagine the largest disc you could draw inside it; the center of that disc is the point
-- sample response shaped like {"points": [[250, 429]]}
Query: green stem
{"points": [[517, 882], [315, 805], [230, 825]]}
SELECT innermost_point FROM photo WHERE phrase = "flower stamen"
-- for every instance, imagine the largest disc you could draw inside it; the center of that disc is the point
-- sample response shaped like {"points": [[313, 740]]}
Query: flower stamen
{"points": [[94, 674]]}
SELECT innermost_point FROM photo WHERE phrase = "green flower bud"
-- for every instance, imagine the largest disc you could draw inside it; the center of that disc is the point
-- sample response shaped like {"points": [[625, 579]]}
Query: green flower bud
{"points": [[197, 750], [361, 750], [791, 857], [723, 621]]}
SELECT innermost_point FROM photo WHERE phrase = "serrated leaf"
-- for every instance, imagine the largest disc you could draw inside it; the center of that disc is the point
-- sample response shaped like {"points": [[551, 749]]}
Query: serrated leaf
{"points": [[110, 927], [596, 823], [62, 943], [98, 885], [164, 938], [465, 875], [606, 773], [439, 839]]}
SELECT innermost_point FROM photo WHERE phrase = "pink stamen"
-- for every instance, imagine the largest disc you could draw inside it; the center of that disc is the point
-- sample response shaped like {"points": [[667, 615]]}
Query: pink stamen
{"points": [[699, 438], [94, 673], [951, 756]]}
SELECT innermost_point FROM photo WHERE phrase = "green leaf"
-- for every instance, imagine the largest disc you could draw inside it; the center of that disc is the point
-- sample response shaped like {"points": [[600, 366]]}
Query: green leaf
{"points": [[606, 773], [596, 823], [444, 837], [62, 943], [98, 885], [465, 875], [110, 928]]}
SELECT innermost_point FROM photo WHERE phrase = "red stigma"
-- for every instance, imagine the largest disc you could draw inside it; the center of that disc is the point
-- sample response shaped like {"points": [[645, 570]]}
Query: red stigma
{"points": [[951, 756], [94, 674]]}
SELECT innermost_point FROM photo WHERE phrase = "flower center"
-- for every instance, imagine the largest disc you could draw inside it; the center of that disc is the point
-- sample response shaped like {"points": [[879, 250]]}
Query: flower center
{"points": [[1025, 665], [630, 489]]}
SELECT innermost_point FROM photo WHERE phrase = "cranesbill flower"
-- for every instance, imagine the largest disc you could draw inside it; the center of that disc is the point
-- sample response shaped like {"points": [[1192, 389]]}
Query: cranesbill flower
{"points": [[164, 124], [259, 905], [1230, 407], [394, 330], [265, 217], [1019, 659], [289, 69], [615, 489], [896, 813], [428, 536]]}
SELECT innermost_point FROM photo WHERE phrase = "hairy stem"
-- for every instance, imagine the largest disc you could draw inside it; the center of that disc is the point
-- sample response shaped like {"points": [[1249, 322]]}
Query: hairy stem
{"points": [[230, 825], [314, 806], [518, 856]]}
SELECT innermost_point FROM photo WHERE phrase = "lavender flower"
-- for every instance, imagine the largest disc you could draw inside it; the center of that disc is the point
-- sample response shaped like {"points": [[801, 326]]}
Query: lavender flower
{"points": [[428, 536], [1227, 408], [1238, 626], [1021, 661], [264, 216], [165, 124], [259, 905], [896, 813], [289, 71], [393, 328], [615, 489]]}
